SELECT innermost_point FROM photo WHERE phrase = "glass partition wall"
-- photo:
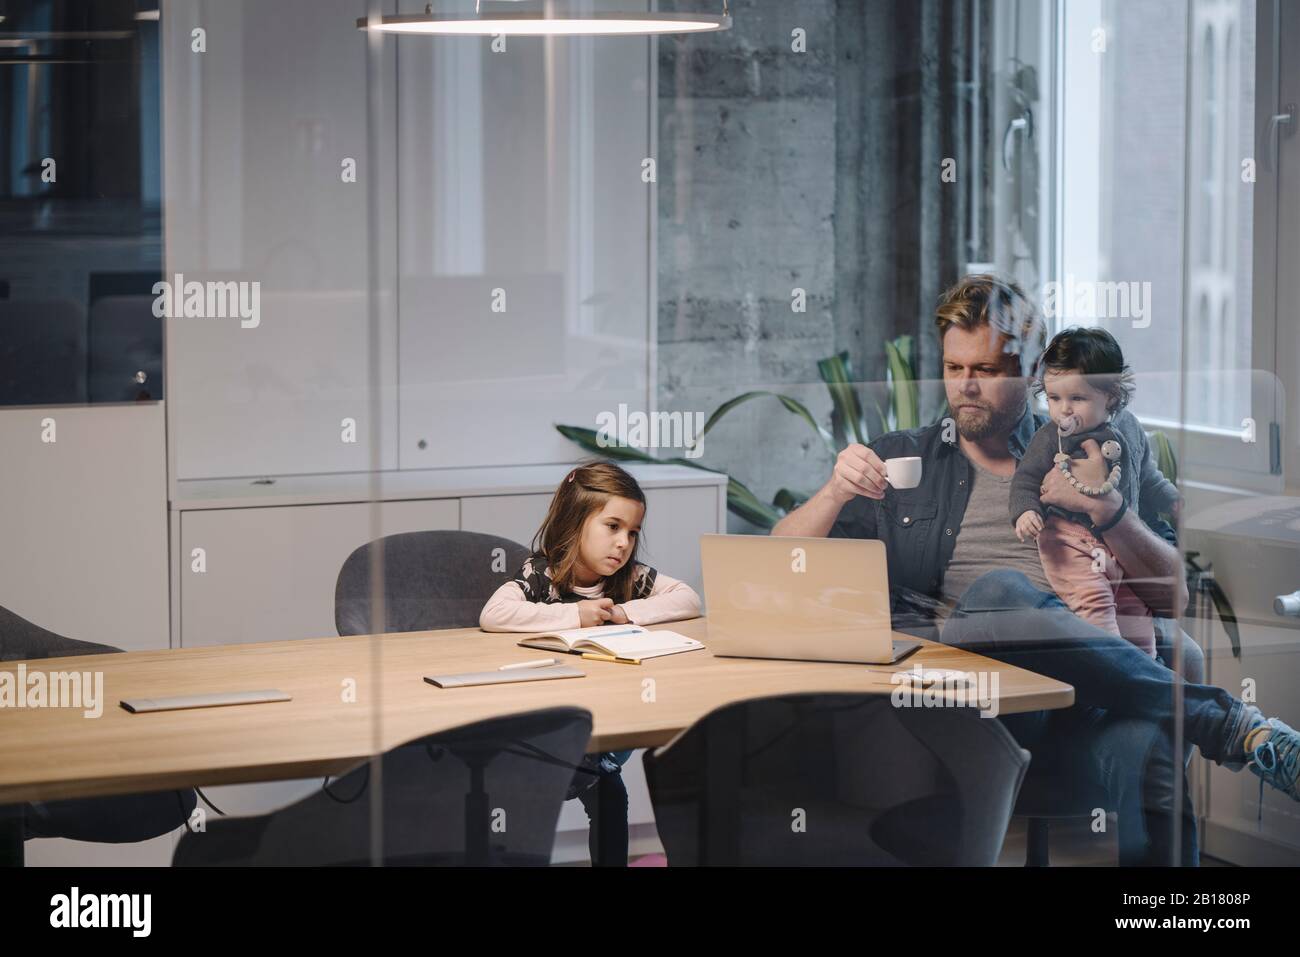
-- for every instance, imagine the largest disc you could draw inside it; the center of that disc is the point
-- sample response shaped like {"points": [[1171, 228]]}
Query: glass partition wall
{"points": [[80, 197], [401, 285], [1127, 165]]}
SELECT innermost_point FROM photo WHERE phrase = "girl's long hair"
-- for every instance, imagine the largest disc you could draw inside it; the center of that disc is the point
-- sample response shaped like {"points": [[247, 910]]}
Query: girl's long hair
{"points": [[583, 493]]}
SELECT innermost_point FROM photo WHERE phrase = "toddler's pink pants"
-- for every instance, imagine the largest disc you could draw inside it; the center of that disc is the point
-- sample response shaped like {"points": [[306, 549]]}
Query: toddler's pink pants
{"points": [[1089, 579]]}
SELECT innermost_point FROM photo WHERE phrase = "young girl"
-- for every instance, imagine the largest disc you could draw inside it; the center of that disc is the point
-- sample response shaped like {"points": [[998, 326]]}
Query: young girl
{"points": [[1087, 384], [583, 572]]}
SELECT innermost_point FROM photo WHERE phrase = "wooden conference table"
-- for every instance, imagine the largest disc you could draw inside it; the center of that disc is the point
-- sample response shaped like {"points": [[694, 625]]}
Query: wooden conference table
{"points": [[52, 753]]}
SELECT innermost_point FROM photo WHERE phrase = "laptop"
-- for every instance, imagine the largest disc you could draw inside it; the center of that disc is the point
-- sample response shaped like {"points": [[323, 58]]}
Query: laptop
{"points": [[802, 599]]}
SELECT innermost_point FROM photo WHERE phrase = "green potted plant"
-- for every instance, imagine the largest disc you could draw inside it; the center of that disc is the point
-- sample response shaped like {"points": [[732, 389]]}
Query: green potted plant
{"points": [[848, 424]]}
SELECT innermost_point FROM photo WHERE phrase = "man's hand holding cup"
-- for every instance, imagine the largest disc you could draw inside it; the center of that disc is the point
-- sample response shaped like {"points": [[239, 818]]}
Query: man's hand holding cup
{"points": [[860, 471]]}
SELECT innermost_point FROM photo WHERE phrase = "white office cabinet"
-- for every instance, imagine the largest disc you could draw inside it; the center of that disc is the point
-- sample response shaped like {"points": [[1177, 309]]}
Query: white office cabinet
{"points": [[666, 512], [517, 517], [269, 573], [271, 553], [292, 394], [524, 243], [257, 134], [512, 243]]}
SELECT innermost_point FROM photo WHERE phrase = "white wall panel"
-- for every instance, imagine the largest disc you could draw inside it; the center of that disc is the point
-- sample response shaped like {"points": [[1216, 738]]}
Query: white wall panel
{"points": [[255, 133], [84, 522]]}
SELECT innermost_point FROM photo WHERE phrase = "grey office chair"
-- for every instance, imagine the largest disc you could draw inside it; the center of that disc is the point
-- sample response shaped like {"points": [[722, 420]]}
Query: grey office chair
{"points": [[487, 793], [22, 640], [1049, 793], [433, 579], [835, 779], [121, 819], [1045, 797]]}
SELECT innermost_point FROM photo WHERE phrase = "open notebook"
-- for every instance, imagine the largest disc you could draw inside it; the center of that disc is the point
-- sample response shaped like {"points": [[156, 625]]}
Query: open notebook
{"points": [[621, 641]]}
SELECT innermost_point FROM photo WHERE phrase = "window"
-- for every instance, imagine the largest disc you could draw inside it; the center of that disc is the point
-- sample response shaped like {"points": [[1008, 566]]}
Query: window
{"points": [[1156, 103], [80, 204]]}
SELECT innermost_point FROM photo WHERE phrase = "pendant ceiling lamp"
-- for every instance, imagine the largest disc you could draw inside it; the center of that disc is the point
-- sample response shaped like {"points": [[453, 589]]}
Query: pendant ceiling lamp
{"points": [[543, 25]]}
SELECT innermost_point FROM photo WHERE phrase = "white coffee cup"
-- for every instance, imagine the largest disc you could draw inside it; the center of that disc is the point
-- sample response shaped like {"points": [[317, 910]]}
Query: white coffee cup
{"points": [[904, 472]]}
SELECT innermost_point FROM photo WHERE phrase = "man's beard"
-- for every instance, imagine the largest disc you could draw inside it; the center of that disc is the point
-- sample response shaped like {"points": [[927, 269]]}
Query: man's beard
{"points": [[988, 420]]}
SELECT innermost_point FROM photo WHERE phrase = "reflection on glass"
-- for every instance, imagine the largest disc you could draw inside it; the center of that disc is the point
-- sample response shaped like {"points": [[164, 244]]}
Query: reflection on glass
{"points": [[80, 204]]}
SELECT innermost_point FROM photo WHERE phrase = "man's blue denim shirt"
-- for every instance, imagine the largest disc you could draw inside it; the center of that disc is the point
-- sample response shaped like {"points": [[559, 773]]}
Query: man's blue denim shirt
{"points": [[919, 526]]}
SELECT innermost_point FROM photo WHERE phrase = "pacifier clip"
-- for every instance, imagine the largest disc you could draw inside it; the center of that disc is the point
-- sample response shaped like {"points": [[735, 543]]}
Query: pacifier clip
{"points": [[1110, 450]]}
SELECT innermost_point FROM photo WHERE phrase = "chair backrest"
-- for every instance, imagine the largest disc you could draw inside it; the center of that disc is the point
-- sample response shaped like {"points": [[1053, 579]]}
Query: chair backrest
{"points": [[433, 579], [21, 639], [836, 779], [118, 819], [486, 793]]}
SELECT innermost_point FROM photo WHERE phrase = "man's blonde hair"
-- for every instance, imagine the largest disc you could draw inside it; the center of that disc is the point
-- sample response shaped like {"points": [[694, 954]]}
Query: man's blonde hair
{"points": [[982, 299]]}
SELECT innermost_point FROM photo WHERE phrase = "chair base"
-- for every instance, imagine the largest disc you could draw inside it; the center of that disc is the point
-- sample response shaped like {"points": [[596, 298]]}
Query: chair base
{"points": [[12, 834], [1037, 842]]}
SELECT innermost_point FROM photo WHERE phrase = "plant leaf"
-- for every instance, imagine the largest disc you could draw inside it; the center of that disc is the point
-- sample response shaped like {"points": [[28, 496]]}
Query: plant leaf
{"points": [[1227, 615], [835, 372], [589, 439], [750, 507], [1202, 578], [787, 501], [904, 395], [880, 414], [740, 499], [1166, 461], [793, 405], [907, 349]]}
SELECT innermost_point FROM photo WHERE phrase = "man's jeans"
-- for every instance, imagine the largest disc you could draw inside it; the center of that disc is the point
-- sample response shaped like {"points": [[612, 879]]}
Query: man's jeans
{"points": [[1119, 733]]}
